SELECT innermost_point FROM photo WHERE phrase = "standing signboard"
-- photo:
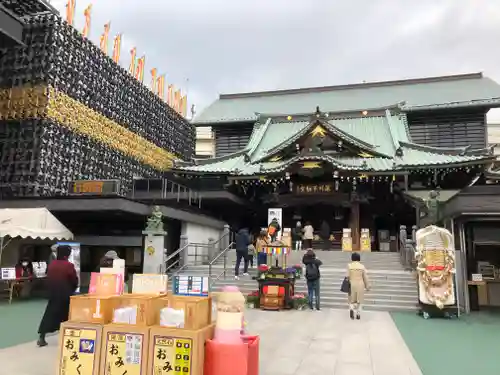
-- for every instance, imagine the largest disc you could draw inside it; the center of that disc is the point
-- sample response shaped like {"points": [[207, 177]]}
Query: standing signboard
{"points": [[196, 286]]}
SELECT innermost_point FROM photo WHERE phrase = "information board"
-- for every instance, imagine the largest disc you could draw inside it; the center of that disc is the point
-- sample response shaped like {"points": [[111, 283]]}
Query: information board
{"points": [[78, 351], [191, 285], [123, 353], [94, 187], [172, 355], [9, 273]]}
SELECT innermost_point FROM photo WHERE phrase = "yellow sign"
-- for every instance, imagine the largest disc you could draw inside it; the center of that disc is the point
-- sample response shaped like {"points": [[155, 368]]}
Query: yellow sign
{"points": [[346, 244], [77, 352], [150, 250], [365, 240], [123, 353], [314, 189], [172, 355]]}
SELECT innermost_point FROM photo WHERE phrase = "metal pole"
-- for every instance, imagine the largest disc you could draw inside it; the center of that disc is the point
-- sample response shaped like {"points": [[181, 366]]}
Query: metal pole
{"points": [[1, 248]]}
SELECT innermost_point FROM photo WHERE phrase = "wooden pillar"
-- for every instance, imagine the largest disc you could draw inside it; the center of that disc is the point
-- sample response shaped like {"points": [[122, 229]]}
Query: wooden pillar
{"points": [[354, 224]]}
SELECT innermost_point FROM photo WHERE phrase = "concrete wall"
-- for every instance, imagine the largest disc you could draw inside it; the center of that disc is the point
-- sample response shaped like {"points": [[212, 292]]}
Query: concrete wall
{"points": [[198, 237]]}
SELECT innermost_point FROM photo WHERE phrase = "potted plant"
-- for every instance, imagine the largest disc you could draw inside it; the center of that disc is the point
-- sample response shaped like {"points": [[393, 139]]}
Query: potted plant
{"points": [[300, 301], [252, 299]]}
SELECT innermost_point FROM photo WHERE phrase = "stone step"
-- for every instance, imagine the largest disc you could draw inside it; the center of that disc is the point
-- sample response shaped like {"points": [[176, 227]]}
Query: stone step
{"points": [[328, 287], [326, 275]]}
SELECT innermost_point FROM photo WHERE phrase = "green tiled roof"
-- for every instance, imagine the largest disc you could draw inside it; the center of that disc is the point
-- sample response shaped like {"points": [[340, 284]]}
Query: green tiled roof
{"points": [[386, 136], [415, 94]]}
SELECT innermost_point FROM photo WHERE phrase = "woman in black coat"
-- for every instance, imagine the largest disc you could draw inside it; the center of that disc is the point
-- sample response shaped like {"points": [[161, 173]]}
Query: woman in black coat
{"points": [[62, 282]]}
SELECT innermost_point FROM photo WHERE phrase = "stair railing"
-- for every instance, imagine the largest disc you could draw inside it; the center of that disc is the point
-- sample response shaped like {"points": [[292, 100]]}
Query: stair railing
{"points": [[223, 253], [407, 248], [179, 252]]}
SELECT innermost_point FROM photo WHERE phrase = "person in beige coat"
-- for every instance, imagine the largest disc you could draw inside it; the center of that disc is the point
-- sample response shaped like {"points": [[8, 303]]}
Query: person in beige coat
{"points": [[358, 278]]}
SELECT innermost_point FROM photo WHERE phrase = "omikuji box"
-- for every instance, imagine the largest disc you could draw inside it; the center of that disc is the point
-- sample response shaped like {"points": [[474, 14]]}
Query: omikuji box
{"points": [[148, 307], [79, 349], [86, 308], [177, 351], [124, 350], [197, 310]]}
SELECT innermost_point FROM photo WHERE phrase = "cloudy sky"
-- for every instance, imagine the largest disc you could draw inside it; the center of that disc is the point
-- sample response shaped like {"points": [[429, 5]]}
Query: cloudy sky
{"points": [[209, 47]]}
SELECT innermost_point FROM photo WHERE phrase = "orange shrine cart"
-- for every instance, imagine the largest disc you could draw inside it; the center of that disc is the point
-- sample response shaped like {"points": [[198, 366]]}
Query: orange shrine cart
{"points": [[276, 283]]}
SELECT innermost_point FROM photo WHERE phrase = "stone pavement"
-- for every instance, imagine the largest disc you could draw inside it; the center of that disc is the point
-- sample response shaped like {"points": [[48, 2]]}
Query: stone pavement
{"points": [[292, 342]]}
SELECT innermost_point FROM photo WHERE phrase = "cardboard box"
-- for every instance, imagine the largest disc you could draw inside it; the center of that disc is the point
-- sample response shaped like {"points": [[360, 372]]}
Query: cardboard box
{"points": [[124, 349], [79, 349], [148, 307], [197, 310], [86, 308], [177, 351]]}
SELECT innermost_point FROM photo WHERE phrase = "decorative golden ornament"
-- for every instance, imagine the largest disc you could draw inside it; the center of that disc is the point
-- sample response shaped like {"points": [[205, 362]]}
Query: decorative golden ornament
{"points": [[150, 250], [311, 164], [289, 118], [365, 155], [318, 131]]}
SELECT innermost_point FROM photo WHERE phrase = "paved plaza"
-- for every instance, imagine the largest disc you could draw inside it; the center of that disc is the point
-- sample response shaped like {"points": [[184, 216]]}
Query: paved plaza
{"points": [[309, 342], [293, 342]]}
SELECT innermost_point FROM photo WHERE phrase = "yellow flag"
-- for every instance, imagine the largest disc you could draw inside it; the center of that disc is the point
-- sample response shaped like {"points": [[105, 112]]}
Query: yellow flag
{"points": [[131, 68], [153, 80], [86, 28], [170, 95], [117, 45], [104, 38], [139, 72], [183, 109], [177, 101], [70, 12], [160, 86]]}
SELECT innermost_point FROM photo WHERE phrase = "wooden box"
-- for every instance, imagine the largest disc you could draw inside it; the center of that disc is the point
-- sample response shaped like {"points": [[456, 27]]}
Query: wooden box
{"points": [[79, 349], [86, 308], [197, 310], [124, 350], [177, 351], [148, 307]]}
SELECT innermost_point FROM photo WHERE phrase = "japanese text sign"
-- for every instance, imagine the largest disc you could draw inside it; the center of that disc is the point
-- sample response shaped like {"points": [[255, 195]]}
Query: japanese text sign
{"points": [[123, 353], [78, 351], [172, 355]]}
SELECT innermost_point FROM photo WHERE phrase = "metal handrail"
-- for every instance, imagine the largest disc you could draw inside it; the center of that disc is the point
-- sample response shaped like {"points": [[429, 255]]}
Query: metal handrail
{"points": [[174, 254], [212, 262]]}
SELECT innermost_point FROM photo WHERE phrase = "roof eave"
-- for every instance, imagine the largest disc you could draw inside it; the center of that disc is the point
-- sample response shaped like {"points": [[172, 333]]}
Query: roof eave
{"points": [[490, 103]]}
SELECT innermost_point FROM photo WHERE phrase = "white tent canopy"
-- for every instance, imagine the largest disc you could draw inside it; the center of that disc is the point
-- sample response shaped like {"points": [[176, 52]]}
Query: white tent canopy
{"points": [[32, 223]]}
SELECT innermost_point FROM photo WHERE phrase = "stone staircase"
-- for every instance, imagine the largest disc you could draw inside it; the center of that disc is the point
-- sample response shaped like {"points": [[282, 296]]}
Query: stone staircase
{"points": [[392, 288]]}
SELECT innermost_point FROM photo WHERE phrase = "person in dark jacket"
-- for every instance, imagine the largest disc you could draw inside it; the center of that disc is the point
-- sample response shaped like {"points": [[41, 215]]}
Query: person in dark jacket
{"points": [[62, 282], [107, 260], [312, 276], [242, 242], [297, 236]]}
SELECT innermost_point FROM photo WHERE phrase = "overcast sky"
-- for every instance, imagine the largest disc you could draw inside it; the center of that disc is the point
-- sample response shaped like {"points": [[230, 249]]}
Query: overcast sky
{"points": [[225, 46]]}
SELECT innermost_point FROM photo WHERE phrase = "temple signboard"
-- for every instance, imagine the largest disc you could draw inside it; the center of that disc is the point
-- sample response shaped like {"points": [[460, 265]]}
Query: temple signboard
{"points": [[325, 188], [94, 187]]}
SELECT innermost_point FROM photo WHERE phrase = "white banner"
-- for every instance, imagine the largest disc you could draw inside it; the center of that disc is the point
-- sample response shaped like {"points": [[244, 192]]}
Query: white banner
{"points": [[275, 213]]}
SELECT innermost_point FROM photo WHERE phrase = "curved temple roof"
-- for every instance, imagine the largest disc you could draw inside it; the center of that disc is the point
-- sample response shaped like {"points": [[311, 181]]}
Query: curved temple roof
{"points": [[382, 137], [411, 94]]}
